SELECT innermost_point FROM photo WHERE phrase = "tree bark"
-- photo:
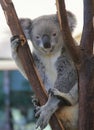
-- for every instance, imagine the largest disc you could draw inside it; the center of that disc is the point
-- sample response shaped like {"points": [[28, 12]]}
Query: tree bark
{"points": [[84, 61], [68, 40], [86, 71]]}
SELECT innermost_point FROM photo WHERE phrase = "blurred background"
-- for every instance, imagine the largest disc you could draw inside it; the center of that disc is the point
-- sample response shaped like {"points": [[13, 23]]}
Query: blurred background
{"points": [[16, 108]]}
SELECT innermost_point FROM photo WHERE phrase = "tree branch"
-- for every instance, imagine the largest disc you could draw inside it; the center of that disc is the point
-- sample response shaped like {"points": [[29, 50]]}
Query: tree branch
{"points": [[88, 31], [68, 40], [26, 58]]}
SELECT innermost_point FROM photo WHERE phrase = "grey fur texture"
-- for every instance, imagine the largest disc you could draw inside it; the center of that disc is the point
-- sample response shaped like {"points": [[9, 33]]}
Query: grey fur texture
{"points": [[55, 67]]}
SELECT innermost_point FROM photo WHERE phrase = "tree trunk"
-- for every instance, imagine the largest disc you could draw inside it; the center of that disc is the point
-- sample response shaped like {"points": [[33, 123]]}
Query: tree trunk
{"points": [[84, 61], [86, 71]]}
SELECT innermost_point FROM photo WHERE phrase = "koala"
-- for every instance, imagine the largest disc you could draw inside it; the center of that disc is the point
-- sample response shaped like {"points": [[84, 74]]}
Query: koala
{"points": [[55, 67]]}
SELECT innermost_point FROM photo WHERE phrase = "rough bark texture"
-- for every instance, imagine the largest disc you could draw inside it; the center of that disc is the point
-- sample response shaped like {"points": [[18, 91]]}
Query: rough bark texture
{"points": [[84, 61], [86, 71], [28, 63]]}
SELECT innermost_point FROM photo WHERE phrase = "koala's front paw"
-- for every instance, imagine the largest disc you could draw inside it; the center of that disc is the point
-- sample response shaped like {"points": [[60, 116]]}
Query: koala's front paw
{"points": [[35, 101], [44, 116], [65, 97], [54, 91], [15, 41]]}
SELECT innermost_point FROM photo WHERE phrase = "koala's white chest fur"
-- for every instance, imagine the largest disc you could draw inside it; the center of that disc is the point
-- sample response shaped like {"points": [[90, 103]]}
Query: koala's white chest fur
{"points": [[50, 68]]}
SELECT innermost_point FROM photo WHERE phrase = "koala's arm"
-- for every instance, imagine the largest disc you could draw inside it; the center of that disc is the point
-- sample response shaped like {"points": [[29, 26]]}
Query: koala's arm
{"points": [[71, 97], [15, 41], [45, 112], [66, 85]]}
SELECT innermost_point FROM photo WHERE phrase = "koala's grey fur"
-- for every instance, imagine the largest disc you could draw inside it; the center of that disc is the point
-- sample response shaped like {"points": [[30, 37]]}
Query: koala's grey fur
{"points": [[55, 67]]}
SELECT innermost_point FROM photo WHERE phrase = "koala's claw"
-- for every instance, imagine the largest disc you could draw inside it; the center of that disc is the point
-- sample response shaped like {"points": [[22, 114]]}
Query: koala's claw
{"points": [[15, 41], [41, 123], [44, 117], [14, 37], [35, 101], [50, 91], [37, 111], [55, 92]]}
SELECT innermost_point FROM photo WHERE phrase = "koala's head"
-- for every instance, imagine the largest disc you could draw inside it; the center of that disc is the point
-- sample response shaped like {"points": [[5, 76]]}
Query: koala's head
{"points": [[44, 32]]}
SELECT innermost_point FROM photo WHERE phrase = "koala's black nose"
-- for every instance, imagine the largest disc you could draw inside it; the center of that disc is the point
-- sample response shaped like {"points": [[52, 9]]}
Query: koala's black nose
{"points": [[46, 41]]}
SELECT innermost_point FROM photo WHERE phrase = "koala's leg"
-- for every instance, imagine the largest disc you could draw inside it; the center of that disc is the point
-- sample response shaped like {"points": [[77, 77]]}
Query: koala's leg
{"points": [[45, 112], [69, 116], [15, 41], [71, 96]]}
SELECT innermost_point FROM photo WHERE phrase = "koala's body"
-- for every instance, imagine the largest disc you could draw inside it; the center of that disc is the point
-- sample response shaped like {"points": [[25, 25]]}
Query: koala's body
{"points": [[55, 67]]}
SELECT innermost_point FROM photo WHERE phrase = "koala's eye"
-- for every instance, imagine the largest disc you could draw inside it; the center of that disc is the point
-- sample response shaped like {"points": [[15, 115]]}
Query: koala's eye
{"points": [[54, 34], [37, 37]]}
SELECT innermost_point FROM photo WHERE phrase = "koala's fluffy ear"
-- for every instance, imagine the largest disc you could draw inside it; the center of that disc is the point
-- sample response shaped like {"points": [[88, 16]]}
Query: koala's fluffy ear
{"points": [[26, 25], [71, 21]]}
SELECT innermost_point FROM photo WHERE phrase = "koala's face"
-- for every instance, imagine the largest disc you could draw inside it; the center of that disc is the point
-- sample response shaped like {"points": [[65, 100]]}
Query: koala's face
{"points": [[45, 35], [44, 32]]}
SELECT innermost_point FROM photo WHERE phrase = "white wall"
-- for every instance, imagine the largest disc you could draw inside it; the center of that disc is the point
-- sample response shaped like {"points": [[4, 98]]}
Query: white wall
{"points": [[32, 9]]}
